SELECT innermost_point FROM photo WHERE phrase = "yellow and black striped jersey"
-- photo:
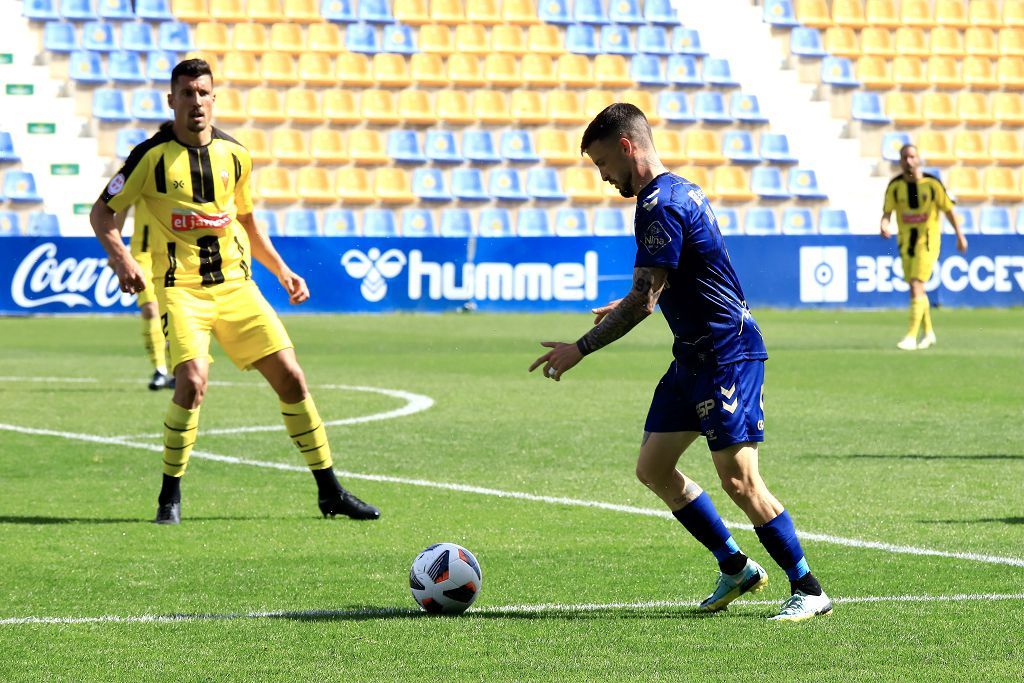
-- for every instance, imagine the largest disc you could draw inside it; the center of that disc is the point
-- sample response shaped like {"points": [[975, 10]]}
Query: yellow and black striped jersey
{"points": [[140, 240], [917, 204], [191, 197]]}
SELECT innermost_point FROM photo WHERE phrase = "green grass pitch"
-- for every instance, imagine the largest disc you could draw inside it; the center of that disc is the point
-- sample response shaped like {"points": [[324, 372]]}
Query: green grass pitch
{"points": [[865, 444]]}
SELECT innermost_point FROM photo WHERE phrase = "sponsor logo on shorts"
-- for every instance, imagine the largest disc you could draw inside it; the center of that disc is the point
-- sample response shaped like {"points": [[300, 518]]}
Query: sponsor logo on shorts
{"points": [[704, 408], [183, 222]]}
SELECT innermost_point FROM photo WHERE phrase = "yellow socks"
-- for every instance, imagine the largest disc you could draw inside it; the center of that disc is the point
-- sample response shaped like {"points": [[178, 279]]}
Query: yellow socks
{"points": [[307, 432], [180, 426], [153, 338], [918, 309], [926, 317]]}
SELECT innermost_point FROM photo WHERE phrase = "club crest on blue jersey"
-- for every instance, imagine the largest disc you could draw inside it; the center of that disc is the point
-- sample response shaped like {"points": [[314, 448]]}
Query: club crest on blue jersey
{"points": [[655, 237]]}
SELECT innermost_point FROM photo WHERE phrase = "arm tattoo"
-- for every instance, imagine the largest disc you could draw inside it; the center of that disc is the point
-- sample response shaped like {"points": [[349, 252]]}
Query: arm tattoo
{"points": [[637, 305]]}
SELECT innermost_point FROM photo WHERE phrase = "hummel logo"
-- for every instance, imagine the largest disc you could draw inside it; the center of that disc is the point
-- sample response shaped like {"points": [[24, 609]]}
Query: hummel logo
{"points": [[650, 204], [728, 392], [731, 407]]}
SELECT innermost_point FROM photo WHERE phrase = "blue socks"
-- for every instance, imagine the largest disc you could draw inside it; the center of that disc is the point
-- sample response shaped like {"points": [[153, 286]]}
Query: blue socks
{"points": [[702, 520], [779, 538]]}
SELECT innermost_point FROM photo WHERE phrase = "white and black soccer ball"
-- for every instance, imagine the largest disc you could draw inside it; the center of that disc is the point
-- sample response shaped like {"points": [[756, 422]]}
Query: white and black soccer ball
{"points": [[445, 579]]}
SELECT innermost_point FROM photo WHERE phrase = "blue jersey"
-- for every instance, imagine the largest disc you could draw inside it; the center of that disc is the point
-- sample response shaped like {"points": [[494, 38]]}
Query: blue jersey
{"points": [[703, 301]]}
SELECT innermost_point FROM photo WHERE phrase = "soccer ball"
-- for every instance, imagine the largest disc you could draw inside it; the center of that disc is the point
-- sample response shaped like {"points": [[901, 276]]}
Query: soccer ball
{"points": [[445, 579]]}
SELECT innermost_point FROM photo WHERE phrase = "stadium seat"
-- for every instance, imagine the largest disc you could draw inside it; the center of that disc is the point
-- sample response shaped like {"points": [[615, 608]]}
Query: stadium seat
{"points": [[211, 38], [379, 107], [391, 70], [193, 11], [1013, 12], [644, 101], [682, 70], [1008, 109], [340, 106], [495, 222], [267, 222], [362, 38], [728, 220], [838, 72], [19, 187], [324, 38], [447, 11], [571, 222], [746, 108], [610, 222], [539, 71], [660, 12], [542, 184], [686, 41], [490, 107], [353, 186], [466, 70], [533, 222], [316, 68], [574, 71], [265, 105], [969, 148], [87, 67], [239, 68], [159, 65], [229, 105], [154, 10], [589, 12], [882, 14], [780, 13], [699, 176], [760, 221], [418, 223], [478, 147], [583, 185], [673, 106], [833, 222], [223, 11], [42, 224], [288, 38], [275, 185], [98, 36], [527, 107], [126, 67], [717, 72], [732, 184], [289, 146], [354, 69], [428, 185], [301, 223], [427, 69], [709, 107], [77, 10], [775, 149], [404, 147], [453, 107], [505, 184], [544, 39], [256, 141], [625, 12], [581, 39], [392, 186], [867, 107], [412, 12], [1005, 148], [813, 13], [555, 147], [875, 73], [995, 220], [891, 144], [379, 223], [519, 12], [509, 40], [842, 41], [980, 74], [468, 185], [174, 37], [653, 40], [502, 71], [878, 42], [340, 11], [327, 146], [593, 102], [1011, 42], [471, 39], [367, 148], [951, 13], [517, 146], [554, 12], [670, 146], [10, 224], [704, 147], [266, 11], [440, 147], [616, 40], [910, 73], [59, 36], [981, 42], [766, 182], [797, 220], [912, 41], [375, 12], [806, 42], [1010, 73], [965, 184], [974, 109], [486, 12], [150, 105], [1002, 185], [647, 71], [40, 10], [612, 71], [935, 148], [904, 108], [965, 219], [738, 147], [457, 223], [939, 110], [947, 42], [436, 39]]}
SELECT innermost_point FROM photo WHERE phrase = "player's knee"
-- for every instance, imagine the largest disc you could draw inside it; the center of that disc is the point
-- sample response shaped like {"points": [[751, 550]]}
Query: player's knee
{"points": [[738, 487], [191, 384], [649, 473]]}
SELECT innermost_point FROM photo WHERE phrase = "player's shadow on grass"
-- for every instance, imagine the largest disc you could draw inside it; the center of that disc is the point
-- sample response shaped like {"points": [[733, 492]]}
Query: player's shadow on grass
{"points": [[42, 521], [921, 456], [982, 520], [355, 613]]}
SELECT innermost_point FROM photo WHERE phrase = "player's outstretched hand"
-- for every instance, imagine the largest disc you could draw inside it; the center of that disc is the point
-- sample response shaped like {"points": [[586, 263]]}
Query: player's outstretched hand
{"points": [[961, 244], [559, 360], [885, 234], [601, 311], [129, 276], [296, 287]]}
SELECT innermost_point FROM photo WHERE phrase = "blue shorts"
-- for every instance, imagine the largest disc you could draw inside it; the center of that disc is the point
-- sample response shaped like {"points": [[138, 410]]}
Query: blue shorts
{"points": [[725, 403]]}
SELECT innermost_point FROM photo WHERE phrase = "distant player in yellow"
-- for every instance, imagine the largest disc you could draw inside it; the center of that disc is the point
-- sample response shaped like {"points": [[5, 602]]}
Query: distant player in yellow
{"points": [[918, 198], [193, 181]]}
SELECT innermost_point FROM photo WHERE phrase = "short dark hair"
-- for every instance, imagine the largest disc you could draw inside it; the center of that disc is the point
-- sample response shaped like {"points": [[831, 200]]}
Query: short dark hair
{"points": [[907, 146], [621, 119], [192, 68]]}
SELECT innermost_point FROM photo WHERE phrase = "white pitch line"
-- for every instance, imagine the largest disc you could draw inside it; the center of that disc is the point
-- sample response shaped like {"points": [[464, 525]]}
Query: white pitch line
{"points": [[518, 495], [51, 380], [555, 608]]}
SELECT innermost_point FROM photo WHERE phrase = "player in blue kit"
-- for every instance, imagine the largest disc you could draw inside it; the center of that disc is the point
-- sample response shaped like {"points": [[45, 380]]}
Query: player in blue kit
{"points": [[715, 384]]}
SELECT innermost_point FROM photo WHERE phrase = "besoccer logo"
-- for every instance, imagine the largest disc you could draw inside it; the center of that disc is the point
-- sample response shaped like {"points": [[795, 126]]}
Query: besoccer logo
{"points": [[824, 276], [374, 269]]}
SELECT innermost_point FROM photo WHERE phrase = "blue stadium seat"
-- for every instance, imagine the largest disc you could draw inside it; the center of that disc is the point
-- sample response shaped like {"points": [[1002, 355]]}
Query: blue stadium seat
{"points": [[682, 70], [965, 217], [660, 12], [505, 184], [159, 65], [418, 223], [709, 106], [718, 72], [268, 221], [738, 147], [138, 37], [108, 104], [457, 223], [126, 67], [571, 222], [379, 223], [647, 70], [581, 39], [301, 223], [59, 36], [760, 221], [40, 10], [995, 220], [797, 220], [495, 222], [478, 146], [803, 184], [766, 182], [7, 152], [746, 108], [617, 40], [653, 40], [87, 67], [340, 223], [441, 148], [542, 183], [362, 38], [867, 107], [517, 145], [154, 10], [399, 39], [686, 41], [806, 42], [377, 12], [589, 12], [118, 10], [20, 187], [780, 13], [428, 185], [838, 72], [149, 104], [533, 223], [341, 11], [728, 221], [468, 185], [673, 106], [833, 222], [1020, 221], [127, 138], [625, 12], [10, 224], [175, 37], [42, 224], [77, 10], [404, 147], [609, 222], [554, 12], [775, 149], [891, 144], [98, 36]]}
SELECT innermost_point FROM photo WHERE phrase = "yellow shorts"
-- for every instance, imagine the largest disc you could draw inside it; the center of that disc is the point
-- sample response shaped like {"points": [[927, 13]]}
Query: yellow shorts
{"points": [[148, 295], [236, 313], [919, 250]]}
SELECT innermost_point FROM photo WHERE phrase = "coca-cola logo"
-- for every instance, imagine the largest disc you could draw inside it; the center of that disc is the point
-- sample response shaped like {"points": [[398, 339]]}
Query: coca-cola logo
{"points": [[42, 278]]}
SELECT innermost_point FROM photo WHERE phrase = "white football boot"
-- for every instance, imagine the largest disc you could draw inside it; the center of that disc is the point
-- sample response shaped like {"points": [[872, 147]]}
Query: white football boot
{"points": [[800, 606], [927, 341], [750, 579], [908, 343]]}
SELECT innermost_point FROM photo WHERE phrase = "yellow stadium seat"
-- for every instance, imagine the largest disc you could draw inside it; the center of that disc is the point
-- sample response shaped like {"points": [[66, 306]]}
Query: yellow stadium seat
{"points": [[491, 107], [981, 42], [645, 102], [340, 107], [240, 68], [904, 109], [1010, 73], [367, 147], [813, 13], [539, 71], [700, 176], [969, 148], [935, 149], [875, 73], [509, 40], [912, 41], [583, 185], [229, 105], [732, 184], [965, 184], [973, 108], [575, 71], [704, 148], [415, 107], [566, 106], [502, 70], [412, 12], [848, 13], [393, 186], [303, 11], [327, 146], [951, 13], [250, 38], [984, 13], [1008, 108], [192, 11], [275, 185], [528, 107], [316, 68], [595, 101], [1002, 185], [612, 71], [265, 11], [944, 73], [447, 11], [265, 105], [230, 11], [1004, 148], [1011, 42], [391, 70], [555, 147], [1013, 12], [353, 68], [486, 12], [916, 13], [545, 39], [980, 73], [353, 186], [670, 147], [289, 146], [882, 13], [428, 70], [453, 107], [379, 106], [315, 186], [210, 59], [302, 105], [254, 140], [520, 12], [472, 39], [278, 69], [436, 39], [841, 41], [939, 110], [877, 42], [326, 38], [287, 37], [212, 37], [466, 70], [947, 42]]}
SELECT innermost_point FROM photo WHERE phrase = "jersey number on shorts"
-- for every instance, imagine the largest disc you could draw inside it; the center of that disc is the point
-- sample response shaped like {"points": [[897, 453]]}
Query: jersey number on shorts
{"points": [[209, 260]]}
